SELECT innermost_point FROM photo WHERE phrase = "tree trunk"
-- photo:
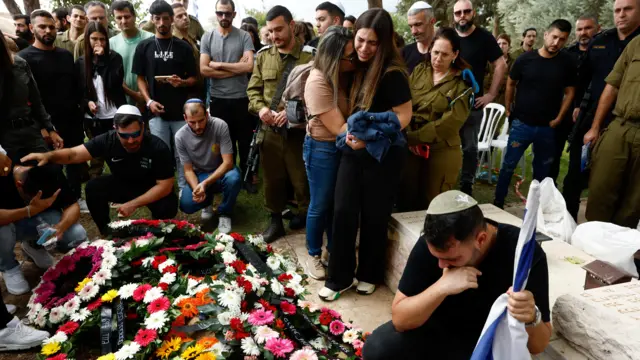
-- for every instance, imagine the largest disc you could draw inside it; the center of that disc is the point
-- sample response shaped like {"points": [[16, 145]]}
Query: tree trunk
{"points": [[30, 5], [374, 3], [12, 7], [496, 24]]}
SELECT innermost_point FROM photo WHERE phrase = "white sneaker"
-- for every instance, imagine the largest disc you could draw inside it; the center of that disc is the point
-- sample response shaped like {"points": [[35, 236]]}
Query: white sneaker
{"points": [[327, 294], [83, 206], [15, 281], [206, 214], [224, 224], [17, 336], [40, 257], [11, 309], [365, 288], [313, 267]]}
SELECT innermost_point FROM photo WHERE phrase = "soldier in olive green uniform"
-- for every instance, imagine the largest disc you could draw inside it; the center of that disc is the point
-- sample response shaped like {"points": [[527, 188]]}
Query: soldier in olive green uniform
{"points": [[281, 149], [64, 42], [439, 111], [614, 186]]}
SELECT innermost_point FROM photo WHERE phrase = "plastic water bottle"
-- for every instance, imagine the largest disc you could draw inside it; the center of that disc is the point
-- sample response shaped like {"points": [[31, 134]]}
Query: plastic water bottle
{"points": [[45, 233]]}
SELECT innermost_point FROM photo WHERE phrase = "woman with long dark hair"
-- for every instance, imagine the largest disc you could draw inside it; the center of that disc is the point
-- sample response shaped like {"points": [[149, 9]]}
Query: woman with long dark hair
{"points": [[23, 118], [255, 36], [101, 74], [440, 108], [327, 100], [370, 167]]}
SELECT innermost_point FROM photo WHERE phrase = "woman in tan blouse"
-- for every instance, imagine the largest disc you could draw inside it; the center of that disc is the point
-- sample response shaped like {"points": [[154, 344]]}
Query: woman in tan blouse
{"points": [[326, 98]]}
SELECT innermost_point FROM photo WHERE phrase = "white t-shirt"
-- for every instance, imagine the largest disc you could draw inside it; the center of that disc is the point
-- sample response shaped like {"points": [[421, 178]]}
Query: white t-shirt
{"points": [[106, 109]]}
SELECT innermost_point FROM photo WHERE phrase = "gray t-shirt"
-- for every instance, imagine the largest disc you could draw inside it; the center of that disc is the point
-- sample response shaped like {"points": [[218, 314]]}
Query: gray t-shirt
{"points": [[228, 49], [204, 152]]}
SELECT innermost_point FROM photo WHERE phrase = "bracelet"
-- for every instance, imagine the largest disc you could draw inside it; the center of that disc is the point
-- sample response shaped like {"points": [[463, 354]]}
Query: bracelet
{"points": [[149, 103], [28, 212]]}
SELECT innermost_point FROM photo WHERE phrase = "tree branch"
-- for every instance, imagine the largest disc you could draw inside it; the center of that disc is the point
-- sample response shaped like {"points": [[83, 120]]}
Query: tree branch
{"points": [[13, 8]]}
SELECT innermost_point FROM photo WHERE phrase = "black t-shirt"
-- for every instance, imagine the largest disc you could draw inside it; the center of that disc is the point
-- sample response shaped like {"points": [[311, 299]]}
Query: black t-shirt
{"points": [[412, 57], [21, 43], [163, 57], [478, 49], [55, 75], [455, 325], [393, 90], [152, 162], [541, 84], [11, 199]]}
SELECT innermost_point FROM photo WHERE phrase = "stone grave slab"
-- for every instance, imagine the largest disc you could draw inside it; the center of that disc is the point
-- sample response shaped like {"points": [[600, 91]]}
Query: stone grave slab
{"points": [[604, 323]]}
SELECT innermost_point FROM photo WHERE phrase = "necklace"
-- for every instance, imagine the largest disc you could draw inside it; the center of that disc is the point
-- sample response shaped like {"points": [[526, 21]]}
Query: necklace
{"points": [[161, 54]]}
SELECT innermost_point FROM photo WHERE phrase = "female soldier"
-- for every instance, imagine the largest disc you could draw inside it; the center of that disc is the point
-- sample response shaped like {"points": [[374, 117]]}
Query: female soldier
{"points": [[441, 105]]}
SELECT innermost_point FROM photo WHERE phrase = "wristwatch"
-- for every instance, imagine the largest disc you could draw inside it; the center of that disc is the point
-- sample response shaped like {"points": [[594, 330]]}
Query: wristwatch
{"points": [[536, 321]]}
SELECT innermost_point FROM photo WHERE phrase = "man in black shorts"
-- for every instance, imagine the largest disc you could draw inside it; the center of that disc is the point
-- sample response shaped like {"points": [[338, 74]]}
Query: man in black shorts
{"points": [[458, 268]]}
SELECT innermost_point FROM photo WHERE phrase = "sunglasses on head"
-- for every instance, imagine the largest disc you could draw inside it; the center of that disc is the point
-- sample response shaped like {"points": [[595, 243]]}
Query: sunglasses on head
{"points": [[127, 136], [460, 12], [224, 13]]}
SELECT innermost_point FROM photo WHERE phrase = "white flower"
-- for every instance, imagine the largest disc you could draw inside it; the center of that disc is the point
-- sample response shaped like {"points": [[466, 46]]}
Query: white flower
{"points": [[229, 299], [120, 224], [109, 261], [219, 248], [276, 287], [290, 265], [273, 263], [88, 291], [180, 298], [349, 336], [253, 270], [249, 347], [101, 277], [41, 319], [191, 284], [229, 270], [72, 305], [168, 262], [81, 315], [127, 351], [305, 354], [200, 288], [298, 289], [318, 343], [59, 337], [156, 320], [152, 294], [295, 278], [126, 291], [57, 314], [34, 309], [219, 348], [142, 242], [225, 318], [168, 278], [256, 240], [225, 238], [264, 333], [228, 257], [147, 261]]}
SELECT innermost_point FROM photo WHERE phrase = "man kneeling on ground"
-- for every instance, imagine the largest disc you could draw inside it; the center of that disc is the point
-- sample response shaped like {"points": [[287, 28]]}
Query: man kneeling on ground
{"points": [[32, 196], [141, 170], [206, 152], [460, 265]]}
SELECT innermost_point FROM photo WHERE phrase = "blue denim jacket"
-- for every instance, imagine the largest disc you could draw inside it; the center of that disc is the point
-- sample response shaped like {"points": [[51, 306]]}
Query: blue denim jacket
{"points": [[379, 130]]}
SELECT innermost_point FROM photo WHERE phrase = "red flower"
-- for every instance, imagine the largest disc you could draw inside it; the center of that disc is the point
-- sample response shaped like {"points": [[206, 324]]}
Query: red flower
{"points": [[195, 246], [170, 269], [288, 308], [69, 328], [58, 357], [288, 292], [158, 260], [140, 291], [144, 337], [236, 324], [265, 304], [279, 324], [239, 266], [161, 304], [237, 237], [163, 286], [132, 315], [243, 305], [137, 263], [244, 284], [284, 277], [359, 352], [269, 249], [325, 319], [94, 305], [241, 335], [179, 321]]}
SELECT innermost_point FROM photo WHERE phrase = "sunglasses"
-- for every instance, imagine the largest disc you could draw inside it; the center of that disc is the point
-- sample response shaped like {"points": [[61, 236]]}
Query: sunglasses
{"points": [[127, 136], [224, 14], [460, 12]]}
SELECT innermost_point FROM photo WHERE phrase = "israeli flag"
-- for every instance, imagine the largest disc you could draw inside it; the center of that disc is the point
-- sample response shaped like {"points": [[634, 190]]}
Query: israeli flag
{"points": [[503, 337]]}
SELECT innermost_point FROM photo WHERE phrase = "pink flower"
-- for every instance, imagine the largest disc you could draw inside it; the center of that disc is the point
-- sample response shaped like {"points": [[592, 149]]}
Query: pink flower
{"points": [[144, 337], [58, 357], [138, 294], [288, 308], [334, 314], [336, 327], [357, 344], [260, 317], [161, 304], [279, 347], [304, 354]]}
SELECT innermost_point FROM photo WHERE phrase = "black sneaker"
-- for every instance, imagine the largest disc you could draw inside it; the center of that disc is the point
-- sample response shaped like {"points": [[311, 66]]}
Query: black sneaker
{"points": [[275, 229], [298, 222]]}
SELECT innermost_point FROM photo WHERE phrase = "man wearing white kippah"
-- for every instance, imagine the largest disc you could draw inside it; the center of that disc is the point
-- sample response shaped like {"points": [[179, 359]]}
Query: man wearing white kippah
{"points": [[421, 21], [141, 167]]}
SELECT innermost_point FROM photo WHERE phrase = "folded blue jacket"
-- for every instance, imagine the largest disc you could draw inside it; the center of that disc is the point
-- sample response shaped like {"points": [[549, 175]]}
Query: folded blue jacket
{"points": [[379, 130]]}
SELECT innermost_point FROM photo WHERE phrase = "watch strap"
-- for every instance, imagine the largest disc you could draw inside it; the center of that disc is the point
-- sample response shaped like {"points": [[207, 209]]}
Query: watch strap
{"points": [[536, 321]]}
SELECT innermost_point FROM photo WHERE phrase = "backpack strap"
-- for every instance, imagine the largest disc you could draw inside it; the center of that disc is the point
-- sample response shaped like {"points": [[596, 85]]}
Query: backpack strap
{"points": [[277, 96]]}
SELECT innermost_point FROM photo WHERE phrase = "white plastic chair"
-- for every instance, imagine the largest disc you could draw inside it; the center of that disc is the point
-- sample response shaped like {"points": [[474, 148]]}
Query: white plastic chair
{"points": [[491, 115], [501, 143]]}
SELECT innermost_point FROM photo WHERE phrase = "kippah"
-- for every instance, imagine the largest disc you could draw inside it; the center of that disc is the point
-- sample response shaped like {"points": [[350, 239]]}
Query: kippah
{"points": [[194, 101], [128, 110], [339, 5], [420, 5], [450, 202]]}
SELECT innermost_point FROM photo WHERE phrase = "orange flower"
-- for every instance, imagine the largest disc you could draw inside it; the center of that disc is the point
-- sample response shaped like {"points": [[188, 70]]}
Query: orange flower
{"points": [[203, 297], [207, 342], [188, 307]]}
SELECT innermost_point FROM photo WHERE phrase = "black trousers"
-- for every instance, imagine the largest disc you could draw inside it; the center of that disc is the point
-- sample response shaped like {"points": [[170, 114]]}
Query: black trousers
{"points": [[71, 131], [562, 133], [385, 343], [105, 189], [575, 181], [94, 128], [5, 317], [235, 112], [364, 195]]}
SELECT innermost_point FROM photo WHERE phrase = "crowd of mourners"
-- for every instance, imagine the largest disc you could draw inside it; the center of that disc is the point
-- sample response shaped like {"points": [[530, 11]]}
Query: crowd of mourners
{"points": [[345, 127]]}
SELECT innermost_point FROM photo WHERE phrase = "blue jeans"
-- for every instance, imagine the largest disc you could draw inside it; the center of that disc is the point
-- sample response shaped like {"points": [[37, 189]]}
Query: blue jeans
{"points": [[166, 130], [520, 137], [25, 230], [229, 185], [321, 160]]}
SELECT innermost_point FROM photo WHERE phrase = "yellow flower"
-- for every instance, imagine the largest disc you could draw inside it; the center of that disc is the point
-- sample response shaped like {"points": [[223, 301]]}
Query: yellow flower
{"points": [[81, 284], [50, 349], [164, 351], [174, 344], [191, 352], [107, 357], [110, 295], [206, 356]]}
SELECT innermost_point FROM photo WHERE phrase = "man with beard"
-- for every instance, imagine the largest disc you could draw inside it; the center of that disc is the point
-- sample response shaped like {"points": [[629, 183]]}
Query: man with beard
{"points": [[460, 265], [544, 86], [60, 17], [529, 37], [227, 58], [421, 21], [54, 72], [602, 54], [281, 150], [166, 71], [96, 11], [329, 13], [140, 164], [478, 48], [205, 150], [181, 31], [195, 28], [78, 20], [24, 36]]}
